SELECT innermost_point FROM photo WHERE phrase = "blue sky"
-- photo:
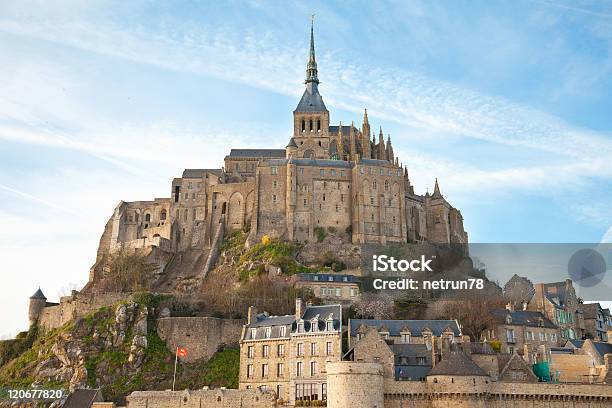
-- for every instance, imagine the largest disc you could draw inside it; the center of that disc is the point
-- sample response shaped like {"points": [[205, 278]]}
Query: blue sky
{"points": [[508, 103]]}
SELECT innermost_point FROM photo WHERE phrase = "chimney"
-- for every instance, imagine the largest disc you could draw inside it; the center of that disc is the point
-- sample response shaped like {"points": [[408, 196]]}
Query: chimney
{"points": [[299, 306], [251, 314]]}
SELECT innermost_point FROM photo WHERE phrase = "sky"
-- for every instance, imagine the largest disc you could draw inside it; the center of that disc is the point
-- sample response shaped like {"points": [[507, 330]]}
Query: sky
{"points": [[507, 103]]}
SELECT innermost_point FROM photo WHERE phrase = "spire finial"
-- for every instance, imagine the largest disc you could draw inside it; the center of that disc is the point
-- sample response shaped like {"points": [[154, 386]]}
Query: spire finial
{"points": [[365, 116], [311, 68]]}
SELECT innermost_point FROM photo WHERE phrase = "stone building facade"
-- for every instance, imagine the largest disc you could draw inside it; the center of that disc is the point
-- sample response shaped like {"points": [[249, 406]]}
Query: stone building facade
{"points": [[338, 177], [288, 354], [330, 287], [597, 321]]}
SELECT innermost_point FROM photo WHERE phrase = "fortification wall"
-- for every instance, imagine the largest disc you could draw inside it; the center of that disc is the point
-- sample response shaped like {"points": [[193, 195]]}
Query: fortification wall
{"points": [[200, 335], [354, 384], [496, 395], [201, 398], [74, 306], [572, 367]]}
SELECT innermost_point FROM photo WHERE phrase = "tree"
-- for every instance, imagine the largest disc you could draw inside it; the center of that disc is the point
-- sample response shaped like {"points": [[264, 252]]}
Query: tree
{"points": [[374, 306]]}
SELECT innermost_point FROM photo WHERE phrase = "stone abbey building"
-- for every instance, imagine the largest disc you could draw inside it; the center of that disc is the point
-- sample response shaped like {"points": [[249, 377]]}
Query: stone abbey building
{"points": [[337, 177]]}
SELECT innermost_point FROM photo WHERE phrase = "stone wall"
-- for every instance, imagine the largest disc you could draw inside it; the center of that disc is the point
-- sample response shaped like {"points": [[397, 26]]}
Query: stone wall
{"points": [[352, 384], [76, 305], [219, 398], [200, 335]]}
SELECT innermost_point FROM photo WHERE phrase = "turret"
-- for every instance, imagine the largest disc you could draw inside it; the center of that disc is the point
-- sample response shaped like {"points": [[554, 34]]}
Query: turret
{"points": [[38, 301], [291, 148], [365, 135], [382, 153], [352, 143], [389, 151]]}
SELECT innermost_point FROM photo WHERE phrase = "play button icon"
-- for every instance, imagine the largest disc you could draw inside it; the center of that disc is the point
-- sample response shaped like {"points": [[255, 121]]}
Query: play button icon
{"points": [[586, 267]]}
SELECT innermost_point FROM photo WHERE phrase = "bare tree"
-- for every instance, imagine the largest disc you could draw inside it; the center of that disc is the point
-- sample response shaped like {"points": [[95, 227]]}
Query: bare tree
{"points": [[374, 306]]}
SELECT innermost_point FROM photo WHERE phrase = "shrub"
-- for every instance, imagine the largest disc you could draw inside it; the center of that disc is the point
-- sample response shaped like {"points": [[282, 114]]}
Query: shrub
{"points": [[320, 233]]}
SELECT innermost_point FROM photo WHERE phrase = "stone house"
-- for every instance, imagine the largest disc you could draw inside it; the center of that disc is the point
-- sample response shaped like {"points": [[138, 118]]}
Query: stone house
{"points": [[597, 321], [288, 354], [559, 303], [330, 287], [515, 329]]}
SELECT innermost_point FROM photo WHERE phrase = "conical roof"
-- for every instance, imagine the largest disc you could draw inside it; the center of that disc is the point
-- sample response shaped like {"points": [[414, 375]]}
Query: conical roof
{"points": [[38, 295], [457, 363], [292, 143]]}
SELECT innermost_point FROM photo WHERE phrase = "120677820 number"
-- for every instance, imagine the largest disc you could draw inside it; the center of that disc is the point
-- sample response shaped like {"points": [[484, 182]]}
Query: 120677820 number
{"points": [[32, 394]]}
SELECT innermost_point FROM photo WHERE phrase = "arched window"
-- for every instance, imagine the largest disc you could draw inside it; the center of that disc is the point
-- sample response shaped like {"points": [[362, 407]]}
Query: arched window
{"points": [[318, 125], [147, 217], [162, 215], [303, 125], [311, 125]]}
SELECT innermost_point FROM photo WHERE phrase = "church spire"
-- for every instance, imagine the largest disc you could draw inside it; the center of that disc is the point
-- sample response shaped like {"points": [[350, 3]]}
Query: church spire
{"points": [[311, 68], [436, 193]]}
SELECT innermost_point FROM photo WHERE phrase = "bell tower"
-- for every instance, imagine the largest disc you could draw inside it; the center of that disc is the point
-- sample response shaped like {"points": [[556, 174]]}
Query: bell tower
{"points": [[311, 117]]}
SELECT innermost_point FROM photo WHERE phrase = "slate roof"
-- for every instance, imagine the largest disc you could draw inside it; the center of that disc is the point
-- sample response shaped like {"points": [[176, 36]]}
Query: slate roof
{"points": [[375, 162], [312, 162], [415, 326], [524, 318], [311, 100], [266, 153], [200, 173], [82, 398], [275, 323], [575, 343], [481, 348], [602, 348], [412, 372], [38, 295], [457, 363], [345, 129], [326, 277], [292, 143]]}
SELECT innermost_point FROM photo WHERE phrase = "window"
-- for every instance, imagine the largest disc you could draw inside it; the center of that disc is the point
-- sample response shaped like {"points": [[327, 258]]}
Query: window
{"points": [[361, 170], [354, 291], [301, 170], [421, 360], [329, 348], [274, 198], [303, 125], [300, 349], [147, 217], [541, 336], [163, 215], [265, 350], [300, 327], [341, 173], [399, 173], [280, 350], [321, 172], [264, 370], [323, 197], [338, 292], [280, 368], [314, 326], [333, 172], [341, 198], [374, 185], [313, 349], [386, 185], [186, 196], [329, 325], [250, 352], [405, 338], [299, 369], [337, 208], [305, 202], [268, 332], [283, 330], [275, 184], [510, 336], [371, 200], [389, 173], [313, 368], [372, 217], [250, 371], [382, 172], [253, 333], [274, 170]]}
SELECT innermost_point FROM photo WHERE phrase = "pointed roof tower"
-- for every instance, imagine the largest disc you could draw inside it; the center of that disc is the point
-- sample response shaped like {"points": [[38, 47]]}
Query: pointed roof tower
{"points": [[38, 295], [436, 193], [311, 99]]}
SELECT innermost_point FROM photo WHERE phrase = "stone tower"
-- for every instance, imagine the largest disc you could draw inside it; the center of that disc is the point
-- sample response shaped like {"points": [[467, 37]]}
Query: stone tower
{"points": [[311, 117], [37, 303]]}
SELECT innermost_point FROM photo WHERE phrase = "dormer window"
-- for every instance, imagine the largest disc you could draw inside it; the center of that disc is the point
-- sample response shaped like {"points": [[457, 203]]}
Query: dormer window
{"points": [[300, 327], [405, 337], [314, 326], [268, 332], [329, 325], [283, 331], [508, 319], [253, 333]]}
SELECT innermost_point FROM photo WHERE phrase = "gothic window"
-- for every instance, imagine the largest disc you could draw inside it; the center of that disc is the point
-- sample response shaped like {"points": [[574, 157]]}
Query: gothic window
{"points": [[318, 125]]}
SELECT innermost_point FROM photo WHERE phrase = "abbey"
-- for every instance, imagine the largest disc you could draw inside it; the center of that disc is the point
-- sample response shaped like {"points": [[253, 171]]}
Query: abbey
{"points": [[340, 178]]}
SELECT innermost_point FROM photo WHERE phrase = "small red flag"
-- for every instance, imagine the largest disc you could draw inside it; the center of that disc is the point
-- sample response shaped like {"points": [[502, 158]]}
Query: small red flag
{"points": [[181, 352]]}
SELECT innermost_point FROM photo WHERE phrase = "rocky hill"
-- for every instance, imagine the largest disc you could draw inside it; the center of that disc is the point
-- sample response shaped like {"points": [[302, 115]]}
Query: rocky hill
{"points": [[116, 348]]}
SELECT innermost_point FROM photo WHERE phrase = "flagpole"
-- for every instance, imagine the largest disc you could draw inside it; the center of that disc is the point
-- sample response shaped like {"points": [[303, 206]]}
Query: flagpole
{"points": [[175, 361]]}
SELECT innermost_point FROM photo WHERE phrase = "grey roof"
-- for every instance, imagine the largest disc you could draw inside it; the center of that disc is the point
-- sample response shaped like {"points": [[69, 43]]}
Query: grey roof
{"points": [[415, 326], [311, 100], [524, 318], [257, 153], [200, 173], [275, 323], [292, 143], [82, 398], [457, 363], [412, 372], [327, 277], [375, 162], [602, 348], [345, 129], [38, 295], [575, 343], [312, 162]]}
